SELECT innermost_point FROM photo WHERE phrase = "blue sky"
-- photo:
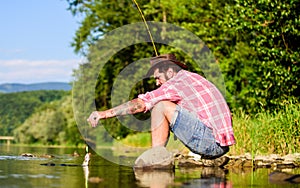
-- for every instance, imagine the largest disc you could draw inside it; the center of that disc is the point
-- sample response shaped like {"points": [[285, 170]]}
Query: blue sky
{"points": [[35, 39]]}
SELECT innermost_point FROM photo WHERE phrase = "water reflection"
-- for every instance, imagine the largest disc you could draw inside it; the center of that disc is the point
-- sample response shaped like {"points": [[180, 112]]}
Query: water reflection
{"points": [[207, 177], [278, 177], [19, 171], [86, 173], [154, 179]]}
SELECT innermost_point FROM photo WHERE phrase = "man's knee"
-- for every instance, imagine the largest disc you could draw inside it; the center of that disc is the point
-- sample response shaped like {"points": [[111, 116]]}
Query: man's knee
{"points": [[164, 106]]}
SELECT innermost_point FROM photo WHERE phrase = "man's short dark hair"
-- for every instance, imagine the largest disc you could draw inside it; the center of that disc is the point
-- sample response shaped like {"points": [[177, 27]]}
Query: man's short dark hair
{"points": [[164, 67]]}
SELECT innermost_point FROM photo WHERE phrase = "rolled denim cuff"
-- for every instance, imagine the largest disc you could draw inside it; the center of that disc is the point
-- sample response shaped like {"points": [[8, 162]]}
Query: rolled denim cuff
{"points": [[174, 116]]}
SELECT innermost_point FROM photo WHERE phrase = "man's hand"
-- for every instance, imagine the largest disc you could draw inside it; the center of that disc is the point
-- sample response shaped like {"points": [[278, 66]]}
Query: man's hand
{"points": [[95, 117]]}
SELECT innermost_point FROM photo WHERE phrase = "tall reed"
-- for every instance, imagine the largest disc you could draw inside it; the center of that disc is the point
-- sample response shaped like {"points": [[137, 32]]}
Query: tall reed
{"points": [[268, 132]]}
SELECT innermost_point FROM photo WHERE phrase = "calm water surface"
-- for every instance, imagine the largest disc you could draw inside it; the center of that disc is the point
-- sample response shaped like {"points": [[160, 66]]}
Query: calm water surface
{"points": [[18, 171]]}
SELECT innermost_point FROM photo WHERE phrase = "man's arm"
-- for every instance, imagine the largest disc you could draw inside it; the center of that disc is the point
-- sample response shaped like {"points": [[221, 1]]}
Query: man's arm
{"points": [[131, 107]]}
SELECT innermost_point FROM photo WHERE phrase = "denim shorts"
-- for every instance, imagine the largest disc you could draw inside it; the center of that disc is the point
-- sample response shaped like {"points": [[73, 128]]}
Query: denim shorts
{"points": [[195, 135]]}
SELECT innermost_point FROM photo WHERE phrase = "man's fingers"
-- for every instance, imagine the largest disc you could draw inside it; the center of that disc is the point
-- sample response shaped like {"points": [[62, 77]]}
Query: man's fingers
{"points": [[94, 119], [92, 122]]}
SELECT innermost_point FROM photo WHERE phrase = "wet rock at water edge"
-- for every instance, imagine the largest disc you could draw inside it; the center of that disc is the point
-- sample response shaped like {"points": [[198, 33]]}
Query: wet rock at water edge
{"points": [[285, 165], [218, 162], [189, 163], [41, 156], [27, 155], [155, 158], [268, 161], [47, 156]]}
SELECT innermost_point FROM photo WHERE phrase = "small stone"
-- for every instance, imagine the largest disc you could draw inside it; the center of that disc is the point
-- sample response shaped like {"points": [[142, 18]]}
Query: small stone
{"points": [[248, 156], [187, 163], [248, 164], [262, 164], [275, 157], [27, 155], [289, 158], [259, 157], [231, 163], [238, 163], [218, 162], [286, 165]]}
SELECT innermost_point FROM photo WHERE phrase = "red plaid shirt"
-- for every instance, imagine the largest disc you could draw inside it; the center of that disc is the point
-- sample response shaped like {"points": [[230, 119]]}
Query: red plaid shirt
{"points": [[196, 94]]}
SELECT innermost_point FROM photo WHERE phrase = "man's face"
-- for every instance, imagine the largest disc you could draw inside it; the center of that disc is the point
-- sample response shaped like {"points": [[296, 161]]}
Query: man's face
{"points": [[161, 77]]}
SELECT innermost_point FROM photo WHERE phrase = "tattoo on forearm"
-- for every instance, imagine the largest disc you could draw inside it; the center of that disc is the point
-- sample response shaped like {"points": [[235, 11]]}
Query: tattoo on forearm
{"points": [[132, 107]]}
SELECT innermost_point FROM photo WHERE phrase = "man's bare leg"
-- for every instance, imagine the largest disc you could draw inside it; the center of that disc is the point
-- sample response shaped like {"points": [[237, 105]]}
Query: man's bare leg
{"points": [[161, 116]]}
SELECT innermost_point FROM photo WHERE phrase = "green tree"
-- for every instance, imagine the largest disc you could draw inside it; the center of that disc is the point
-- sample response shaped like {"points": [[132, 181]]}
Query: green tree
{"points": [[256, 44], [51, 124], [17, 107], [270, 29]]}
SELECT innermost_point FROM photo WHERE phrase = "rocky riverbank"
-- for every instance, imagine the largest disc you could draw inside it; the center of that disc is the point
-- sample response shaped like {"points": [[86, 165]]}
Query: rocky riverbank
{"points": [[273, 161]]}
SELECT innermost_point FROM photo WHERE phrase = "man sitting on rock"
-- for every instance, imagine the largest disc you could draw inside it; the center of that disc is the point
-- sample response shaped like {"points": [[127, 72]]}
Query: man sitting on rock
{"points": [[186, 104]]}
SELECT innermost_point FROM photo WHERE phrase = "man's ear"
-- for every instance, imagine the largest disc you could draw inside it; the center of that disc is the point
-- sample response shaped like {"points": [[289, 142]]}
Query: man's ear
{"points": [[170, 73]]}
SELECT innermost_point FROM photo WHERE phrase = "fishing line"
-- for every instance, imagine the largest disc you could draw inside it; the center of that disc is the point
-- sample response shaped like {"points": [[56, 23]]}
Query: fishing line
{"points": [[84, 111], [147, 27], [87, 156], [84, 98], [85, 132]]}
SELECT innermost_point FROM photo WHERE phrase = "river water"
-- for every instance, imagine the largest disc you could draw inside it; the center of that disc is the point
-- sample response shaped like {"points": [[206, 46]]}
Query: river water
{"points": [[66, 171]]}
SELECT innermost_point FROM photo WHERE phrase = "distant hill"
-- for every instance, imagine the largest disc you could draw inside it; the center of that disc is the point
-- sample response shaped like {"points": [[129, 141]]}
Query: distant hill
{"points": [[15, 87]]}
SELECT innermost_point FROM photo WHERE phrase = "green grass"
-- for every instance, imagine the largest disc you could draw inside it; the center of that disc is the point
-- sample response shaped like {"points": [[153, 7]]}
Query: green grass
{"points": [[267, 132], [263, 133], [138, 140]]}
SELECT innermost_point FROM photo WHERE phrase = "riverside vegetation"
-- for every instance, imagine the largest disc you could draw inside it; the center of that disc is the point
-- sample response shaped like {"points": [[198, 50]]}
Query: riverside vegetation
{"points": [[50, 122], [261, 134], [39, 117], [256, 44]]}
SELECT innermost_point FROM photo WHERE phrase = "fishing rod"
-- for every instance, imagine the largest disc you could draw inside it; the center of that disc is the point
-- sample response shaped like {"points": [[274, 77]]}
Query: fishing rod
{"points": [[147, 27]]}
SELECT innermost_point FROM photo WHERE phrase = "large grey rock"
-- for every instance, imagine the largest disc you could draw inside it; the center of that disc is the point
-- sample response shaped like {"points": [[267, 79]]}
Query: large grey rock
{"points": [[155, 158]]}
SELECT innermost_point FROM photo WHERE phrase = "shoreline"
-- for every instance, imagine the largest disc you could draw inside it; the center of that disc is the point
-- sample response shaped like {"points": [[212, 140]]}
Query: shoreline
{"points": [[274, 161]]}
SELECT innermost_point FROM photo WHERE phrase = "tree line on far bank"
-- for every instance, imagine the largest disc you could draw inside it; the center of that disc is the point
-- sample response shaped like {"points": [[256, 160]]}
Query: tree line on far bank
{"points": [[39, 117]]}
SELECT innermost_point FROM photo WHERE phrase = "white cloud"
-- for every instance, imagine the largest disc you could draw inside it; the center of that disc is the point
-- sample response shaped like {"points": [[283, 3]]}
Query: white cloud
{"points": [[27, 71], [10, 51]]}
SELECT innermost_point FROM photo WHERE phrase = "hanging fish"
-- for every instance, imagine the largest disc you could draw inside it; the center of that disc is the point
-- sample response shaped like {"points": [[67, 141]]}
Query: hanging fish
{"points": [[86, 159]]}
